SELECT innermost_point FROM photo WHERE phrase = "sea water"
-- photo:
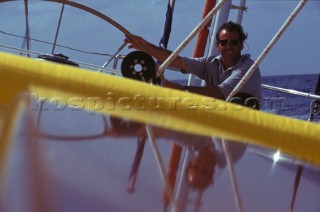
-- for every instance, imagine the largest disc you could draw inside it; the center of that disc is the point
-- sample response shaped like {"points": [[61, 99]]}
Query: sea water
{"points": [[286, 104]]}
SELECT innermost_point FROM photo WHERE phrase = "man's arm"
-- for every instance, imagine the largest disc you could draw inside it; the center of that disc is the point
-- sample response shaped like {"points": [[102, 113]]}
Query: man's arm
{"points": [[160, 54], [211, 91]]}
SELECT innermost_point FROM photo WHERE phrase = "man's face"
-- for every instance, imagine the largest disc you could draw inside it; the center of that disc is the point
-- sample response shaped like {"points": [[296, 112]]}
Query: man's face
{"points": [[229, 45]]}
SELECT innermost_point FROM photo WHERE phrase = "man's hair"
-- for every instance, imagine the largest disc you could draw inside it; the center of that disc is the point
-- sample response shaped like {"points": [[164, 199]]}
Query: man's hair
{"points": [[233, 27]]}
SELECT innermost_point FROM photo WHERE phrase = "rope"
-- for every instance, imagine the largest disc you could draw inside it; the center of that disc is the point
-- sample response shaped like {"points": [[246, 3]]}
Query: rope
{"points": [[267, 49]]}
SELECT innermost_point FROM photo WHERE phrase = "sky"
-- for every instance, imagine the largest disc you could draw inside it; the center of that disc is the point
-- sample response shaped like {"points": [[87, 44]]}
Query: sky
{"points": [[296, 52]]}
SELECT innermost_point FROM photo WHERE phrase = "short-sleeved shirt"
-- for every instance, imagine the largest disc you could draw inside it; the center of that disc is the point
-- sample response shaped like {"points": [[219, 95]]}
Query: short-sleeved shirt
{"points": [[212, 71]]}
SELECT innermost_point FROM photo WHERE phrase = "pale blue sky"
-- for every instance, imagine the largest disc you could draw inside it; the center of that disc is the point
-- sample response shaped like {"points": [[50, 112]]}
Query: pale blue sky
{"points": [[295, 53]]}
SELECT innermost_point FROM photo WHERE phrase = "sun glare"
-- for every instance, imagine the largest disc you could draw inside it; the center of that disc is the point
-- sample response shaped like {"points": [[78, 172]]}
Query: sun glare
{"points": [[276, 156]]}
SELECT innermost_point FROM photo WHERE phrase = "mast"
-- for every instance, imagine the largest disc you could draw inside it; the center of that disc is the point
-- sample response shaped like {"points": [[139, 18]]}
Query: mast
{"points": [[183, 189], [242, 8], [222, 17], [202, 37]]}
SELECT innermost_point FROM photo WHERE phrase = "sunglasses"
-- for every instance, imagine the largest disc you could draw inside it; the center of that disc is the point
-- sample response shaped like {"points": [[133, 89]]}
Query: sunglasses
{"points": [[230, 42]]}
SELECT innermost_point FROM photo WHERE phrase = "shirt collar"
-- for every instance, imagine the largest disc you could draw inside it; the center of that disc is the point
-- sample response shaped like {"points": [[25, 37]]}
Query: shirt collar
{"points": [[242, 59]]}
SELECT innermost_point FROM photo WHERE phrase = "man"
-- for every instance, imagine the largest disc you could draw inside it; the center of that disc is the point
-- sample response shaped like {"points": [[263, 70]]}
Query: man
{"points": [[221, 73]]}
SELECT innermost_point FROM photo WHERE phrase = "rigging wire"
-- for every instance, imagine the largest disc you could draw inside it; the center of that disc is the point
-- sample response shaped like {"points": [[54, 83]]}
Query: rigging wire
{"points": [[62, 46], [234, 183], [160, 163], [296, 186], [26, 41], [194, 32], [58, 28], [114, 55], [141, 141], [91, 66], [300, 166], [264, 53]]}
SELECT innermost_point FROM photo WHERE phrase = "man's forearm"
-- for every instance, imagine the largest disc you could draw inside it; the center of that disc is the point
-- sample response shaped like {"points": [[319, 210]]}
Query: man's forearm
{"points": [[162, 54]]}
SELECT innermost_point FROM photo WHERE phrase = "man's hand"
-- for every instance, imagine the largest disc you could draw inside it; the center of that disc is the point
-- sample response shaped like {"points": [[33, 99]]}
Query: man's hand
{"points": [[136, 42]]}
